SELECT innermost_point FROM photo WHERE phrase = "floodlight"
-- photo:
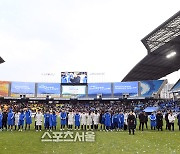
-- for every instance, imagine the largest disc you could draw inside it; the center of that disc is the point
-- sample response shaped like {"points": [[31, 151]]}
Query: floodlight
{"points": [[172, 54]]}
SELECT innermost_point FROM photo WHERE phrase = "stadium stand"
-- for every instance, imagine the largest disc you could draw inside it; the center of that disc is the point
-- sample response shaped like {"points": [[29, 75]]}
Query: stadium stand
{"points": [[163, 46]]}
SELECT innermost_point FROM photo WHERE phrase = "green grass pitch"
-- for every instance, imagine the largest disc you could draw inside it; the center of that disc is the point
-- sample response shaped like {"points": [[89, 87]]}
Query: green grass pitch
{"points": [[151, 142]]}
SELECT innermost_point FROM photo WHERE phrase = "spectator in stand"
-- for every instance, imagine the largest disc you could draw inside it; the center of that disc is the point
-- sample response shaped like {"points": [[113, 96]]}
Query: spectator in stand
{"points": [[171, 119]]}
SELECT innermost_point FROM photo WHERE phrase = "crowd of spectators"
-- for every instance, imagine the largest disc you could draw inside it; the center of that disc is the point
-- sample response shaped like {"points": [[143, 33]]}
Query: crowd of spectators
{"points": [[125, 105]]}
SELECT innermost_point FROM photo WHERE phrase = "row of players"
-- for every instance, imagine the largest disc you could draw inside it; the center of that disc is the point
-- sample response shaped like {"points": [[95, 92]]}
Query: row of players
{"points": [[85, 120], [91, 120]]}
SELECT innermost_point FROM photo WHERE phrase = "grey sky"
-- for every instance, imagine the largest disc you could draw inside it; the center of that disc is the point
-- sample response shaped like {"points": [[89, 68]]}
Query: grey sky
{"points": [[42, 36]]}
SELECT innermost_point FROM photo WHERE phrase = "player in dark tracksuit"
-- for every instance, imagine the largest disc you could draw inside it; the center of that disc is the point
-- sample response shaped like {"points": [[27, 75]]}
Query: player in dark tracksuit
{"points": [[159, 120], [102, 120], [131, 122], [1, 117], [178, 117], [146, 120], [4, 120], [167, 120], [141, 120], [46, 120]]}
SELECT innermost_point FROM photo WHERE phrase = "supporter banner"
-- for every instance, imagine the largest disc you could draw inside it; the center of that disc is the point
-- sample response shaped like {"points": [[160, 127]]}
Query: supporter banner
{"points": [[99, 88], [130, 88], [22, 88], [44, 89], [149, 87], [4, 88]]}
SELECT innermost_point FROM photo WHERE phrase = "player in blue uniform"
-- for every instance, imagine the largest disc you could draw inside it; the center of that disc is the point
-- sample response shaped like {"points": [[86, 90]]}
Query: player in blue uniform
{"points": [[102, 121], [28, 117], [77, 120], [1, 117], [115, 121], [21, 120], [63, 117], [121, 120], [46, 120], [153, 121], [63, 79], [50, 120], [54, 120], [68, 77], [10, 119], [107, 121]]}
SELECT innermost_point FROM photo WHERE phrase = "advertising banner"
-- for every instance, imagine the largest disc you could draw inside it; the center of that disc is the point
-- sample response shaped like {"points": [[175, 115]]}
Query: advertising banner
{"points": [[51, 89], [99, 88], [130, 88], [4, 88], [18, 88], [149, 87]]}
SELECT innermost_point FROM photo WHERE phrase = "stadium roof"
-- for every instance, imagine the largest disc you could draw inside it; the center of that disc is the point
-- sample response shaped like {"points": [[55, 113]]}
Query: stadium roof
{"points": [[163, 41], [1, 60]]}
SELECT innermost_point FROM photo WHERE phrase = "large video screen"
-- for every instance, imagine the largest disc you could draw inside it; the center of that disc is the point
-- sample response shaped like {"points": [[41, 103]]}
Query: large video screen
{"points": [[74, 77], [73, 90]]}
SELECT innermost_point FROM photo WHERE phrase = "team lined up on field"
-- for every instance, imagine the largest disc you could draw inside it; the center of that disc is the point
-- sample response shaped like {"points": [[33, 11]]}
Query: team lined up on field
{"points": [[83, 120]]}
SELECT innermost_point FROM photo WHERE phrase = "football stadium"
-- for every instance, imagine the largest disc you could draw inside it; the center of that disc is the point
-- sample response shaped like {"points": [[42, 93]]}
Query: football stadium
{"points": [[138, 114]]}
